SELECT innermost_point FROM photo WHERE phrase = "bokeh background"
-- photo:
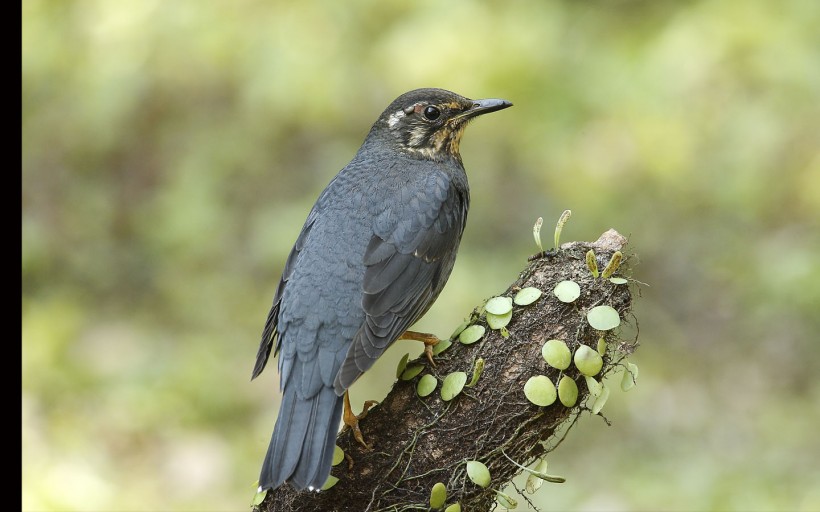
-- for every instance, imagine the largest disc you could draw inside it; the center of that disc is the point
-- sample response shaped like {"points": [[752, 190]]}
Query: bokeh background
{"points": [[171, 151]]}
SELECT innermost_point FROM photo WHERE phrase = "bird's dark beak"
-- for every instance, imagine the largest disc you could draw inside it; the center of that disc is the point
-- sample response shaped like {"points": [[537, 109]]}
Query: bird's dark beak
{"points": [[484, 107]]}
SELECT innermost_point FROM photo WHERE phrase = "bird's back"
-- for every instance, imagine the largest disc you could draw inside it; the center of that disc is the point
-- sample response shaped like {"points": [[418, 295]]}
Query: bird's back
{"points": [[376, 194]]}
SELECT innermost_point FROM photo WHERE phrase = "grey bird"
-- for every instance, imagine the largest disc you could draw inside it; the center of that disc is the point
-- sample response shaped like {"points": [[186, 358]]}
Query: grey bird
{"points": [[372, 257]]}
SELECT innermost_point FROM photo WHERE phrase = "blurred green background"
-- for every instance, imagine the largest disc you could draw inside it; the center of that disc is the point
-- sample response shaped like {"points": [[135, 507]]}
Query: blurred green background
{"points": [[171, 151]]}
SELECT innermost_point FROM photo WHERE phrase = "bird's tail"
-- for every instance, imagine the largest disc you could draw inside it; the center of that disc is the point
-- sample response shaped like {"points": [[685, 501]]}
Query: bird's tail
{"points": [[301, 447]]}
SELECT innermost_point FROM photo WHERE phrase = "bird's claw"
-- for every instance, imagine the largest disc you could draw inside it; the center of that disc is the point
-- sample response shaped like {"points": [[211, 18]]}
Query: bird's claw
{"points": [[429, 341], [428, 351], [352, 420]]}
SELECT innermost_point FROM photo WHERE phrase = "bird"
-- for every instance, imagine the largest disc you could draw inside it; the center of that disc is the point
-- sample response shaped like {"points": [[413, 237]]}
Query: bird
{"points": [[373, 255]]}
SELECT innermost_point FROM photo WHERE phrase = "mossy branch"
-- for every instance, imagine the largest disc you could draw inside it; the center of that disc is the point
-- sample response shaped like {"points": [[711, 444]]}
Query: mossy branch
{"points": [[421, 441]]}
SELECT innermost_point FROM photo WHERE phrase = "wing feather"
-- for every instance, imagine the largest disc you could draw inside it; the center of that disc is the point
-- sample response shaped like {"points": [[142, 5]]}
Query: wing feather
{"points": [[407, 263], [270, 333]]}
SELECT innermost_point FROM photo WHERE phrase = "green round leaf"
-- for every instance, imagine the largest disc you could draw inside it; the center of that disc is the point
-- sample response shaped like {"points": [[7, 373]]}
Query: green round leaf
{"points": [[567, 291], [505, 500], [593, 386], [630, 377], [478, 473], [633, 369], [471, 334], [601, 400], [411, 371], [617, 280], [438, 496], [556, 354], [567, 391], [533, 484], [602, 346], [477, 369], [499, 321], [498, 305], [588, 361], [534, 481], [259, 497], [461, 327], [452, 386], [540, 390], [441, 346], [527, 296], [338, 455], [402, 365], [330, 482], [426, 385], [455, 507], [603, 318]]}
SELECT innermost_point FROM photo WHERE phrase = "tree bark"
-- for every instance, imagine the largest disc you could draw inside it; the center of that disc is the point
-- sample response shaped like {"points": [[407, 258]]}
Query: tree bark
{"points": [[418, 442]]}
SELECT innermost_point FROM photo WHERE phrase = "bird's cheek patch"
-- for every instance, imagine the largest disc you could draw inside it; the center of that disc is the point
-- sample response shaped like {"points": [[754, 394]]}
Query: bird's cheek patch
{"points": [[418, 136]]}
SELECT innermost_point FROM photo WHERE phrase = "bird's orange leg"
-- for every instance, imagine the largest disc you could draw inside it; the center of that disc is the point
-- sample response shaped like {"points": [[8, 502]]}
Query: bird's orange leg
{"points": [[352, 420], [429, 341]]}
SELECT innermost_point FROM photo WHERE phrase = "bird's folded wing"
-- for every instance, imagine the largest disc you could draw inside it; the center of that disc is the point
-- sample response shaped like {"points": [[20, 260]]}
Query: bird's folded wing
{"points": [[269, 332], [407, 261]]}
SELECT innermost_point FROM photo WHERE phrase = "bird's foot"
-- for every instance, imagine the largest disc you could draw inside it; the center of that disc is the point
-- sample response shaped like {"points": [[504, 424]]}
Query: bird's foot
{"points": [[429, 341], [352, 420]]}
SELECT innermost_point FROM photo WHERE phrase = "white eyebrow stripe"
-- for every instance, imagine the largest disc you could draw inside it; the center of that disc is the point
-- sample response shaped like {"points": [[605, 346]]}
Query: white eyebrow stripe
{"points": [[395, 117]]}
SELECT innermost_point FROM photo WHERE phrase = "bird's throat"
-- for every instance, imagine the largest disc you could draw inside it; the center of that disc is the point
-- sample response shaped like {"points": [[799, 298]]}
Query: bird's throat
{"points": [[442, 144]]}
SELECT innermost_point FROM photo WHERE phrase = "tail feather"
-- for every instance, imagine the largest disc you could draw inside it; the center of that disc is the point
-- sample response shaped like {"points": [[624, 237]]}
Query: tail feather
{"points": [[301, 447]]}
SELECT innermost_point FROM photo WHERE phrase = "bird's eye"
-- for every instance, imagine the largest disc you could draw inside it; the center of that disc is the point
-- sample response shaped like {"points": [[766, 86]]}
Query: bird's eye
{"points": [[431, 113]]}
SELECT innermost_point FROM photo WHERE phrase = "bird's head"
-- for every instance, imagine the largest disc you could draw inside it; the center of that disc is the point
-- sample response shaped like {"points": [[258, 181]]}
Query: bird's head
{"points": [[429, 123]]}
